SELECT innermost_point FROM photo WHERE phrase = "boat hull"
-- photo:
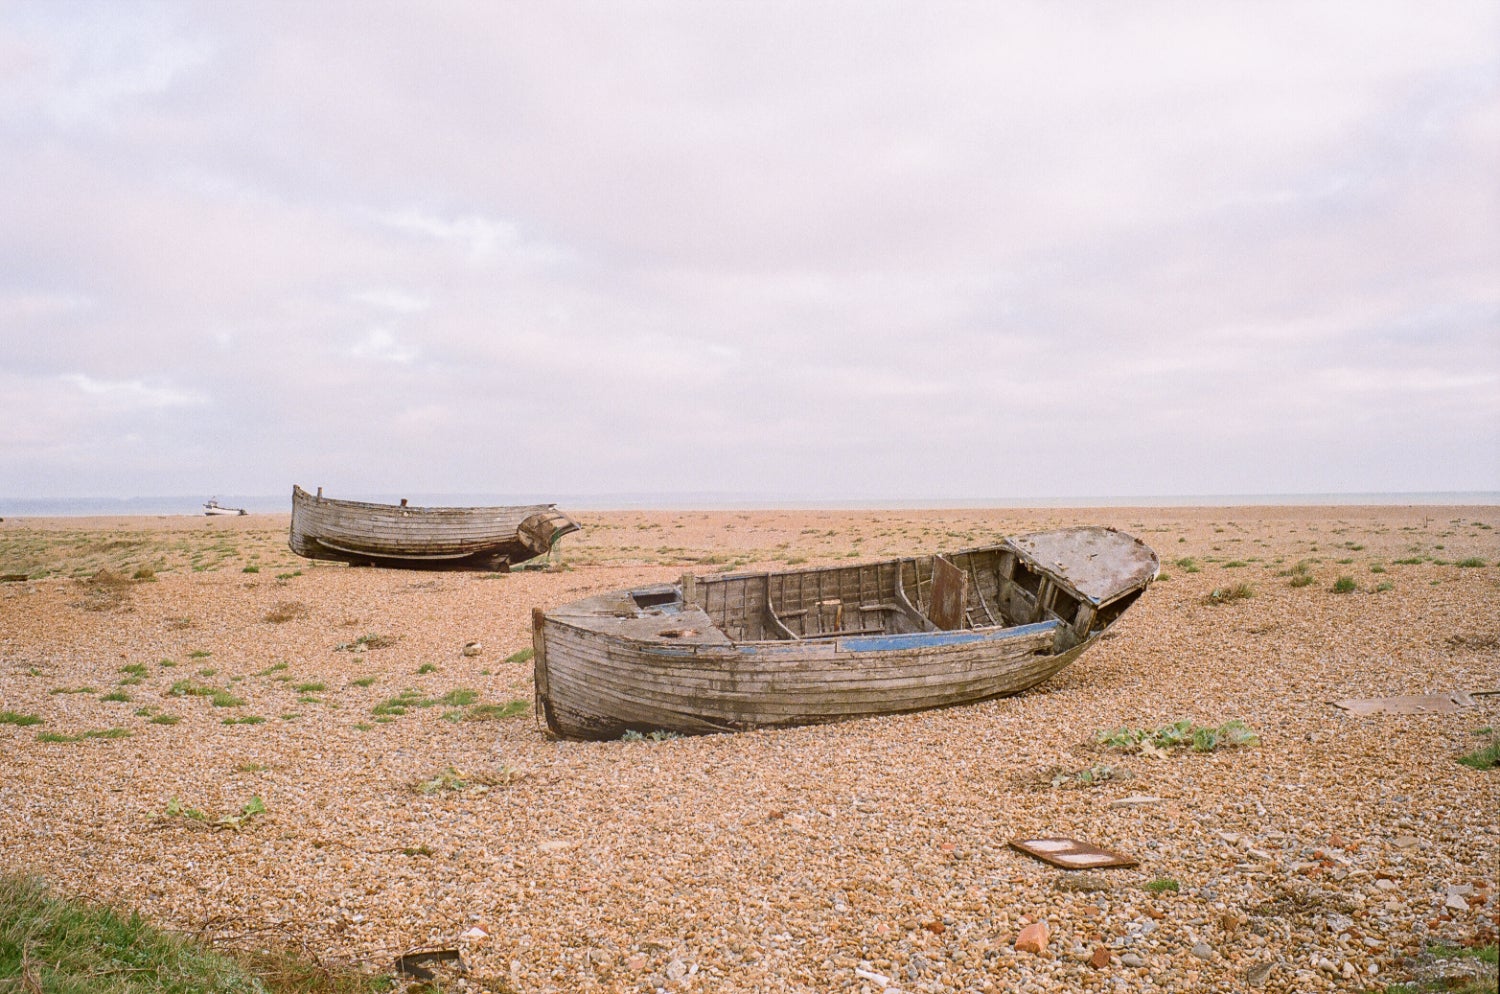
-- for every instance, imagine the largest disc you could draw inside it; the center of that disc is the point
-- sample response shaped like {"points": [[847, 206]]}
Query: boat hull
{"points": [[401, 536], [663, 659], [600, 689]]}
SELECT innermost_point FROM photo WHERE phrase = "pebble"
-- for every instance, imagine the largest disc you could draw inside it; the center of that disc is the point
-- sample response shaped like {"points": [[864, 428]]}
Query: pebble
{"points": [[1033, 938]]}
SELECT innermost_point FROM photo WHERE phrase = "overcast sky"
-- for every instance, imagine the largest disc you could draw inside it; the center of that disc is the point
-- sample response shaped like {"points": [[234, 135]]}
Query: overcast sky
{"points": [[830, 250]]}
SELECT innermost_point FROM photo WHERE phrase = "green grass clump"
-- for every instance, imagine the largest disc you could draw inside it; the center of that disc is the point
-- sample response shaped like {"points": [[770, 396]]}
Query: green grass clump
{"points": [[1473, 562], [96, 733], [1201, 738], [134, 669], [309, 688], [165, 719], [363, 681], [1345, 585], [1163, 885], [72, 690], [1301, 574], [1189, 565], [496, 712], [426, 668], [522, 656], [1486, 758], [221, 698], [18, 719], [459, 697], [60, 946], [116, 695], [1230, 594], [402, 702]]}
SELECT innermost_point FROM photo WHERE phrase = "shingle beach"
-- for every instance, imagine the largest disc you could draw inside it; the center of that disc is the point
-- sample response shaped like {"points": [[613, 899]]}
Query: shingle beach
{"points": [[163, 674]]}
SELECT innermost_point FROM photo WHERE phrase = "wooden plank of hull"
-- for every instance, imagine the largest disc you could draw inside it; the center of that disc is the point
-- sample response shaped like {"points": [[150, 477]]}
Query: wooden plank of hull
{"points": [[598, 688], [422, 537]]}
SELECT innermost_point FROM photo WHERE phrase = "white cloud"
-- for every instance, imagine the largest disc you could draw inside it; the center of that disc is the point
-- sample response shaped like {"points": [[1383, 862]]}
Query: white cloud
{"points": [[392, 300], [382, 345], [485, 239], [130, 395]]}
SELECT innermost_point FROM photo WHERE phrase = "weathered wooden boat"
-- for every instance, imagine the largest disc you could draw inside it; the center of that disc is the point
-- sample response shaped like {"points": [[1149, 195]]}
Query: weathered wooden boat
{"points": [[212, 507], [400, 535], [763, 650]]}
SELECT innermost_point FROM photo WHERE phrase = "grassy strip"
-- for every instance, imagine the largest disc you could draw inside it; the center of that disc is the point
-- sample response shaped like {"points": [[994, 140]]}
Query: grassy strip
{"points": [[61, 946]]}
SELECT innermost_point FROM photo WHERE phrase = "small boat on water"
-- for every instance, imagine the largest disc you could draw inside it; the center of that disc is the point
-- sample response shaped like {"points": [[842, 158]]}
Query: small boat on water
{"points": [[399, 535], [213, 507], [804, 646]]}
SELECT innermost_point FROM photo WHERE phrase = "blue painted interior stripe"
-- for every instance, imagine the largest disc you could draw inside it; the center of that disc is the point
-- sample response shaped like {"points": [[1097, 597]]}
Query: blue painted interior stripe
{"points": [[922, 640]]}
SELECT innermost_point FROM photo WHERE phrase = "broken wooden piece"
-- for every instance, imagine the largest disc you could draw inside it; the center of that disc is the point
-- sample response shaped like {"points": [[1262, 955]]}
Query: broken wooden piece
{"points": [[1070, 854], [1409, 704]]}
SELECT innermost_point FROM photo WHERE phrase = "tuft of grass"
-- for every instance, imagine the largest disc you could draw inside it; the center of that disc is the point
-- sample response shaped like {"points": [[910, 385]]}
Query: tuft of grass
{"points": [[165, 719], [73, 690], [363, 681], [1228, 595], [310, 688], [1473, 562], [117, 695], [1163, 885], [1090, 777], [522, 656], [496, 712], [1345, 585], [220, 698], [1201, 738], [451, 779], [134, 669], [459, 697], [64, 946], [199, 654], [18, 719], [251, 569], [251, 808], [1487, 758], [273, 668], [426, 668], [1301, 574], [403, 702], [96, 733]]}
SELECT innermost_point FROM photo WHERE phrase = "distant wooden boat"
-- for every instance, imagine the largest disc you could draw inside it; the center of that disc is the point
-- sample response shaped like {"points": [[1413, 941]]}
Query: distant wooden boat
{"points": [[213, 507], [483, 538], [759, 650]]}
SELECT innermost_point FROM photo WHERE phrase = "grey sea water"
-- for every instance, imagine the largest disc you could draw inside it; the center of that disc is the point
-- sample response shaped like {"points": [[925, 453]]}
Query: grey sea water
{"points": [[191, 504]]}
